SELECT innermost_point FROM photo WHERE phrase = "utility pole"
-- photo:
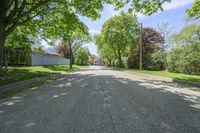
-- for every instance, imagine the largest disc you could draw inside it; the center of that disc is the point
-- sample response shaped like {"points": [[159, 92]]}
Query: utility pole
{"points": [[141, 46]]}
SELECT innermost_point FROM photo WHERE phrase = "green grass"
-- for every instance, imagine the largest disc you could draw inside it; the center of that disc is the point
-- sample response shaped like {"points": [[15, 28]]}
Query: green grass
{"points": [[14, 74], [165, 73], [194, 78]]}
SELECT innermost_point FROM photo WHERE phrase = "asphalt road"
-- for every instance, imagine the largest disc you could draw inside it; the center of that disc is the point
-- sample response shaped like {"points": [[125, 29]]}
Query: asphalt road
{"points": [[102, 101]]}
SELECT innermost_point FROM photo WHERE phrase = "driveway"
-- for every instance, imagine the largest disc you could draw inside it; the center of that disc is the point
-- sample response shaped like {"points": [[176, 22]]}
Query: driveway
{"points": [[102, 101]]}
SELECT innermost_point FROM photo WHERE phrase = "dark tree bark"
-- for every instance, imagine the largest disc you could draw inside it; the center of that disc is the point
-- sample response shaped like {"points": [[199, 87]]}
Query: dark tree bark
{"points": [[70, 55], [109, 62], [2, 44], [120, 59], [2, 29], [120, 62]]}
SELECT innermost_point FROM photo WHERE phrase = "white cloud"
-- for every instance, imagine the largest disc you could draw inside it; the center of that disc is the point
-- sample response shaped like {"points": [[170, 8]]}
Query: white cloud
{"points": [[94, 31], [176, 4]]}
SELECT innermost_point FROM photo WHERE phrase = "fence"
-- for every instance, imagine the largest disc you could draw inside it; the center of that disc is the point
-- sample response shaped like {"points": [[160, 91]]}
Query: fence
{"points": [[46, 59], [16, 57], [20, 57]]}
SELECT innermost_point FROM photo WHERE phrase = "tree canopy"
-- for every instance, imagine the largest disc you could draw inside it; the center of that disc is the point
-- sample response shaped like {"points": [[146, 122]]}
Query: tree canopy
{"points": [[120, 33], [184, 56], [195, 10], [39, 14], [105, 52], [151, 41], [82, 56]]}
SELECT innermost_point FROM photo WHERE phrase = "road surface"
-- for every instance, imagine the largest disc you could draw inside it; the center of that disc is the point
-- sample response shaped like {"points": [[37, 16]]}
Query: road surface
{"points": [[102, 101]]}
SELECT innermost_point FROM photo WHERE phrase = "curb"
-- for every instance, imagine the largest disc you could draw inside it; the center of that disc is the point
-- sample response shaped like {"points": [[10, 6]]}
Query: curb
{"points": [[191, 83], [23, 83], [173, 80]]}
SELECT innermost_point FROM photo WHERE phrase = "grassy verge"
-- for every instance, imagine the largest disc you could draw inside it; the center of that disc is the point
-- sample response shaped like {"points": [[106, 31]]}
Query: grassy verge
{"points": [[165, 73], [188, 77], [14, 74], [13, 92], [194, 78]]}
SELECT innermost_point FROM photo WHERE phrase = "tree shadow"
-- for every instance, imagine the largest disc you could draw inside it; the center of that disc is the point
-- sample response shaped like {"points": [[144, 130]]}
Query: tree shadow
{"points": [[156, 101], [151, 101]]}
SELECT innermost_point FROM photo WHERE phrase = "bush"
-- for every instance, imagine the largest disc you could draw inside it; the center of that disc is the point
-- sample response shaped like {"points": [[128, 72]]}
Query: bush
{"points": [[150, 61], [185, 59], [159, 60]]}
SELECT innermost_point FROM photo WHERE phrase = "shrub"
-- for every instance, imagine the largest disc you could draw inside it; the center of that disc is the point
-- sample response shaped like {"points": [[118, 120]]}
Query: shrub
{"points": [[185, 59]]}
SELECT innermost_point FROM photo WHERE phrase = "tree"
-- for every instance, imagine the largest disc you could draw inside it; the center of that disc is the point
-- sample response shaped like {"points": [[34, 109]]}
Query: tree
{"points": [[70, 30], [188, 35], [165, 31], [20, 39], [152, 41], [105, 52], [120, 33], [73, 43], [38, 49], [63, 50], [184, 57], [195, 10], [82, 56]]}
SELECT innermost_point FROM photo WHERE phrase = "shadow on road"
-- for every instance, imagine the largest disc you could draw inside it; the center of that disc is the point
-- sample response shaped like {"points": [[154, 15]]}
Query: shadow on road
{"points": [[97, 102]]}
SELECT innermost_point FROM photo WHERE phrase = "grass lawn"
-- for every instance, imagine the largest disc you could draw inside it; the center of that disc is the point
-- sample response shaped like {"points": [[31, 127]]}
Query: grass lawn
{"points": [[165, 73], [22, 73]]}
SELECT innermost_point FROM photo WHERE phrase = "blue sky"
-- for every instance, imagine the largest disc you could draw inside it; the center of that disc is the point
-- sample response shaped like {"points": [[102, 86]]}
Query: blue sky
{"points": [[174, 13]]}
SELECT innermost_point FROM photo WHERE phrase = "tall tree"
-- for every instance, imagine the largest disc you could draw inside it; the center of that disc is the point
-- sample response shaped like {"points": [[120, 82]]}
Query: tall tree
{"points": [[151, 41], [120, 33], [105, 52], [165, 32], [67, 27]]}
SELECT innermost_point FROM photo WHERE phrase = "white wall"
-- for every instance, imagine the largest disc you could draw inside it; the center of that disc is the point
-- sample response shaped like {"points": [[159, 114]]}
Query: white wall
{"points": [[45, 59]]}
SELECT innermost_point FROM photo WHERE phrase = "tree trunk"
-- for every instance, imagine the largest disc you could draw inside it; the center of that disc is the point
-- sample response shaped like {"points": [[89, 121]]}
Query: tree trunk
{"points": [[70, 56], [120, 62], [120, 59], [2, 44], [110, 63]]}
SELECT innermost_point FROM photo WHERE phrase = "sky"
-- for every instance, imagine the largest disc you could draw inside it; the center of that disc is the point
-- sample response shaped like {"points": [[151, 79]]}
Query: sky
{"points": [[174, 14]]}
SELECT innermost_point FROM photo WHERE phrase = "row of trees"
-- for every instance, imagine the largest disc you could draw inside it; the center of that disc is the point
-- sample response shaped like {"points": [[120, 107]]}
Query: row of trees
{"points": [[119, 34], [53, 20], [122, 38]]}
